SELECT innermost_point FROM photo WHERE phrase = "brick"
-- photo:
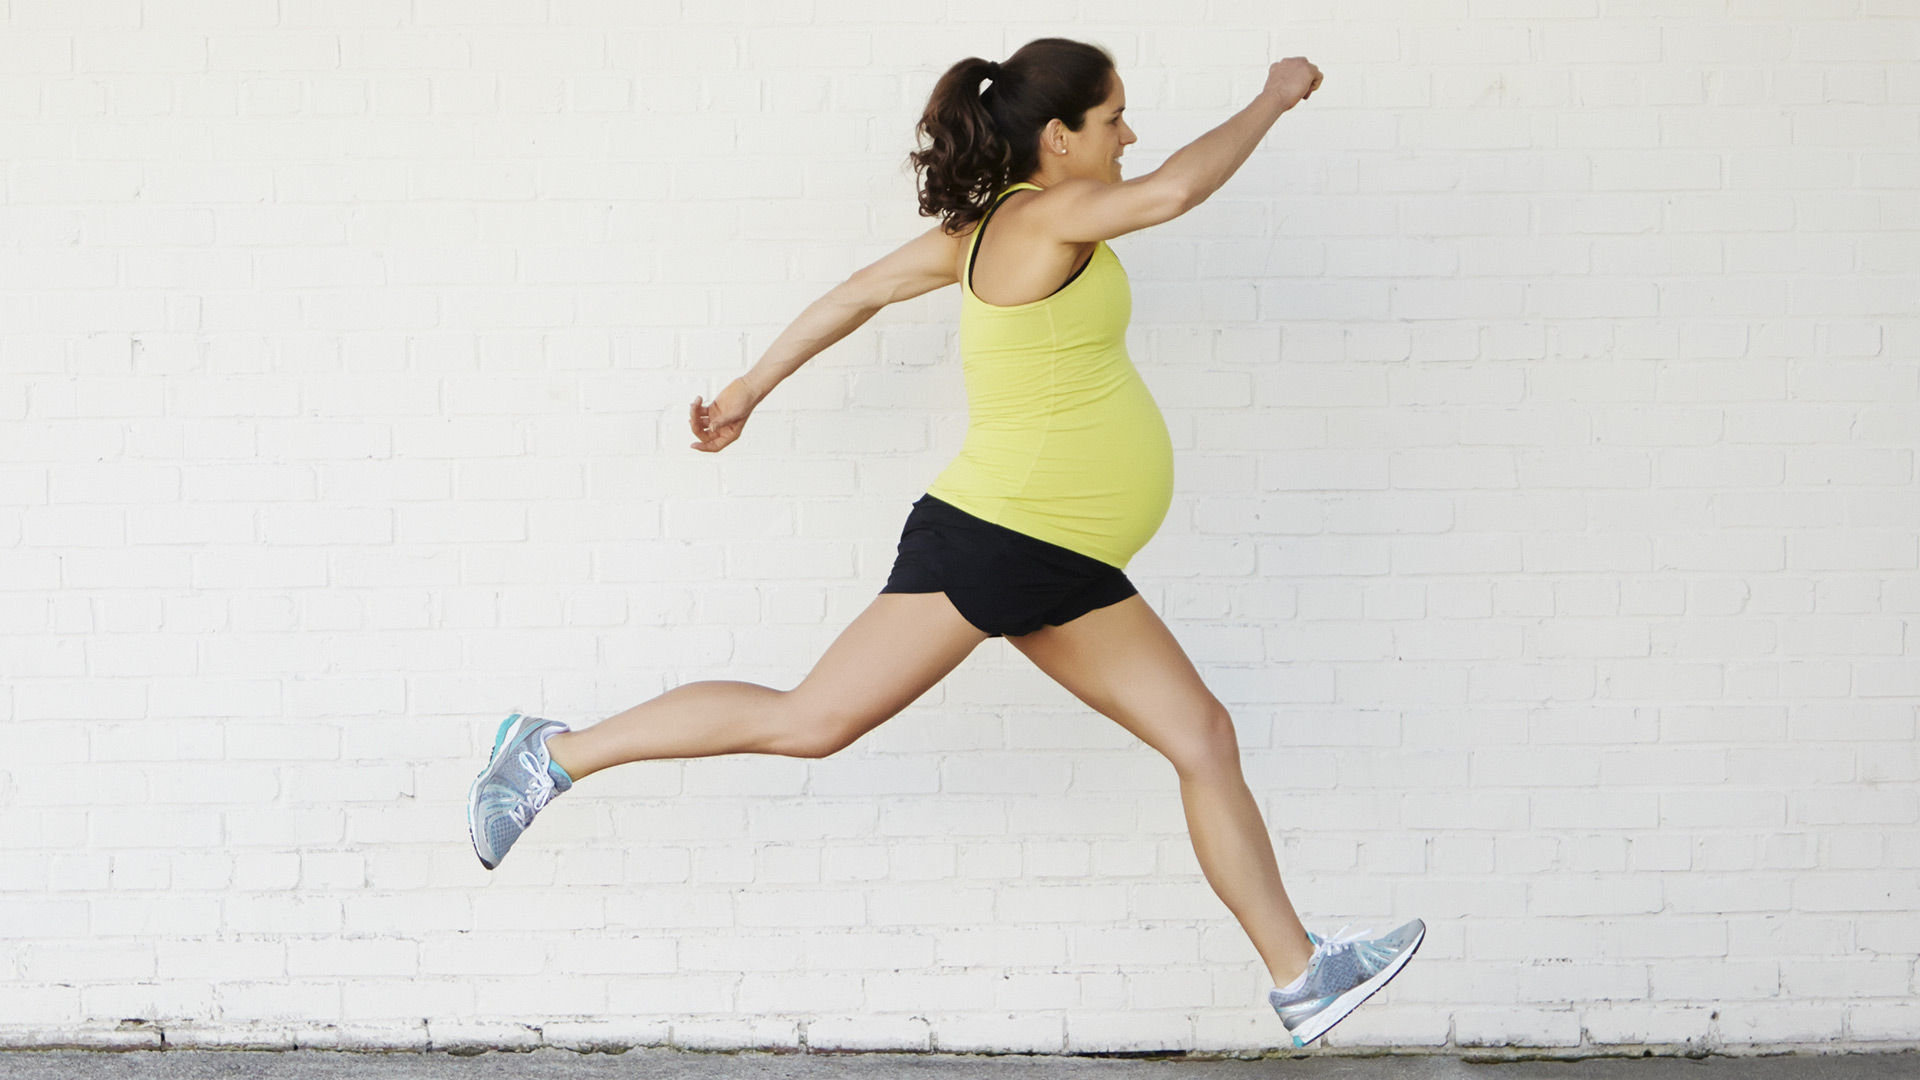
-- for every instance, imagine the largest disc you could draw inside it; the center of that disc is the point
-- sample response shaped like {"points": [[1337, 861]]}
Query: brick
{"points": [[1516, 1027], [1720, 893], [1883, 1021], [1757, 1024], [347, 957], [1661, 1025], [1719, 981], [1589, 43]]}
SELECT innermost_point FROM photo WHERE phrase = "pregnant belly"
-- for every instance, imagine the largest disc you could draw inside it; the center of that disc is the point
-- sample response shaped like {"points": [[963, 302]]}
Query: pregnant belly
{"points": [[1096, 479]]}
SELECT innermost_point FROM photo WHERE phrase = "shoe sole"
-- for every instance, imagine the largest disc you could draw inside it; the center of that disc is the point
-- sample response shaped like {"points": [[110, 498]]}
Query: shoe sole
{"points": [[1351, 1000], [510, 729]]}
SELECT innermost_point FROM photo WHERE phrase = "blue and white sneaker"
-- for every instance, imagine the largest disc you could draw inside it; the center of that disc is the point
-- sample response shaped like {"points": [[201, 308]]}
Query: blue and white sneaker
{"points": [[520, 778], [1346, 969]]}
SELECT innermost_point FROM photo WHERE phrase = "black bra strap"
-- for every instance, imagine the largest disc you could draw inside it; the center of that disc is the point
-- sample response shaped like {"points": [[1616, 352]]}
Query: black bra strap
{"points": [[980, 233], [1078, 272]]}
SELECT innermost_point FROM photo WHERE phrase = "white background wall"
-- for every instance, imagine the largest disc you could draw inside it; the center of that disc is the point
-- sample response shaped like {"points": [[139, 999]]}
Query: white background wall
{"points": [[1545, 393]]}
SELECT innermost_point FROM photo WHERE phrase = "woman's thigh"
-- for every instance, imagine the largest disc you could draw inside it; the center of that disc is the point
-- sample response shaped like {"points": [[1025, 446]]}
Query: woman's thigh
{"points": [[1123, 662], [893, 652]]}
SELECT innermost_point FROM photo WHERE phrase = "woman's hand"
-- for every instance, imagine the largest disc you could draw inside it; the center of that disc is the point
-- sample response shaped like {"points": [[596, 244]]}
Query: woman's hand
{"points": [[719, 423], [1293, 80]]}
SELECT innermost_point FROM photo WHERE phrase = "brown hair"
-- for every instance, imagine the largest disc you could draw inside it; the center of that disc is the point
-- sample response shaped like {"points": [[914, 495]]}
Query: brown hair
{"points": [[981, 140]]}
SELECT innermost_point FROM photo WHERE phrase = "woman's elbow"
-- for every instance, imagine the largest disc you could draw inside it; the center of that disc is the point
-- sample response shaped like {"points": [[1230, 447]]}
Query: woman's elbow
{"points": [[1181, 196], [866, 290]]}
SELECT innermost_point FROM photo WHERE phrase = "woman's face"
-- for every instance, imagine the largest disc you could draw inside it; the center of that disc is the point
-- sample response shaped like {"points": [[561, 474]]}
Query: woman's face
{"points": [[1093, 151]]}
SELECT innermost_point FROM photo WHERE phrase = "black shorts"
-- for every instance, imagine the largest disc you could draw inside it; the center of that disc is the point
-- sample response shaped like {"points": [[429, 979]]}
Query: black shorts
{"points": [[1006, 583]]}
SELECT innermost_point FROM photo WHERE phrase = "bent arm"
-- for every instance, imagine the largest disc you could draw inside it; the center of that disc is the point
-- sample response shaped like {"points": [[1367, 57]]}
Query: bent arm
{"points": [[919, 266]]}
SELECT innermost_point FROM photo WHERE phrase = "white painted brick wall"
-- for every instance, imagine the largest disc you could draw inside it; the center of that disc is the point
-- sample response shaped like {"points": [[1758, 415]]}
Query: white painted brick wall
{"points": [[1546, 396]]}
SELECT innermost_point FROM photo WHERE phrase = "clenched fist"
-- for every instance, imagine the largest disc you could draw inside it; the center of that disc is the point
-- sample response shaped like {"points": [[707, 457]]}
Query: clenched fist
{"points": [[1293, 80]]}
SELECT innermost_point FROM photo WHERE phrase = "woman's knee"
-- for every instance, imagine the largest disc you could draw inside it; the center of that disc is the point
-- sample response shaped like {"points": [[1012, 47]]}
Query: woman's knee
{"points": [[1208, 746], [809, 728]]}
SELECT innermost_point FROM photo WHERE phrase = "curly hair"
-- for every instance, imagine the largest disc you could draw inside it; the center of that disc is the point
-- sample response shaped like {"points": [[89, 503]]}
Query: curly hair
{"points": [[981, 140]]}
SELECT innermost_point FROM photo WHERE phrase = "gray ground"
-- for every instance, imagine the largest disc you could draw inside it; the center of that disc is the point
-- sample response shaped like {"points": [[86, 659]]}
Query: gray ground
{"points": [[550, 1064]]}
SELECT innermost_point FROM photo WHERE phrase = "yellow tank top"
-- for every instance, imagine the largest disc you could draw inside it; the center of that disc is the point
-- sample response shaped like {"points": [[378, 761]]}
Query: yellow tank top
{"points": [[1064, 443]]}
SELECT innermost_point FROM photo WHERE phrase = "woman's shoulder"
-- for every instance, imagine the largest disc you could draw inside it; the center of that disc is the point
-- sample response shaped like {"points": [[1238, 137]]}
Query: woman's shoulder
{"points": [[1011, 203], [1027, 198]]}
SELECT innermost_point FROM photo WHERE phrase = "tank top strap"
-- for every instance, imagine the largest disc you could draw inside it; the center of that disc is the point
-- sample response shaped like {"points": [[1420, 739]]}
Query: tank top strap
{"points": [[973, 245]]}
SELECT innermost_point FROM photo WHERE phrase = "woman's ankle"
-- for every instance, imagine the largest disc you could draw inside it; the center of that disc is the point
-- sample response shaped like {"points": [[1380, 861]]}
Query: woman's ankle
{"points": [[558, 746], [1287, 968]]}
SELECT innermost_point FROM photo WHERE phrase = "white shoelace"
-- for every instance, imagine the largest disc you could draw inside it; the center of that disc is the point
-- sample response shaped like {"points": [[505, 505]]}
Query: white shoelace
{"points": [[1346, 935], [539, 791]]}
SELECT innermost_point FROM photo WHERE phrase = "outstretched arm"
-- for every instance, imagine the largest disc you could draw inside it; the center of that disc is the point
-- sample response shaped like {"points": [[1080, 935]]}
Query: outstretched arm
{"points": [[1203, 165], [1084, 209], [921, 265]]}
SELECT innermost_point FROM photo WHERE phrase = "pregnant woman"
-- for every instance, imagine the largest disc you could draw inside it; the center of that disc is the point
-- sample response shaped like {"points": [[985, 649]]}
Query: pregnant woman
{"points": [[1066, 471]]}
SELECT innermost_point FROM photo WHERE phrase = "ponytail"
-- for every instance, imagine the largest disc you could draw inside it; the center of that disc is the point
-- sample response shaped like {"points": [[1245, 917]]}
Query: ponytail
{"points": [[981, 140]]}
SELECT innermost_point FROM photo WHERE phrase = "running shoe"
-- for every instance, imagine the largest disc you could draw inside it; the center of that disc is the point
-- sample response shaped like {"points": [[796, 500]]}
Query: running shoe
{"points": [[1346, 969], [519, 779]]}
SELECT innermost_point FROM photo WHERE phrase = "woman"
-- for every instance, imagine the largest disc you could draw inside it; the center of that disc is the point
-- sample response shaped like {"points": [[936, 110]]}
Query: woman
{"points": [[1066, 471]]}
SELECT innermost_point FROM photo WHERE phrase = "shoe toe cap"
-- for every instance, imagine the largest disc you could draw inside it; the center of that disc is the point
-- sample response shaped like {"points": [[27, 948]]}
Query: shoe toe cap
{"points": [[1406, 934]]}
